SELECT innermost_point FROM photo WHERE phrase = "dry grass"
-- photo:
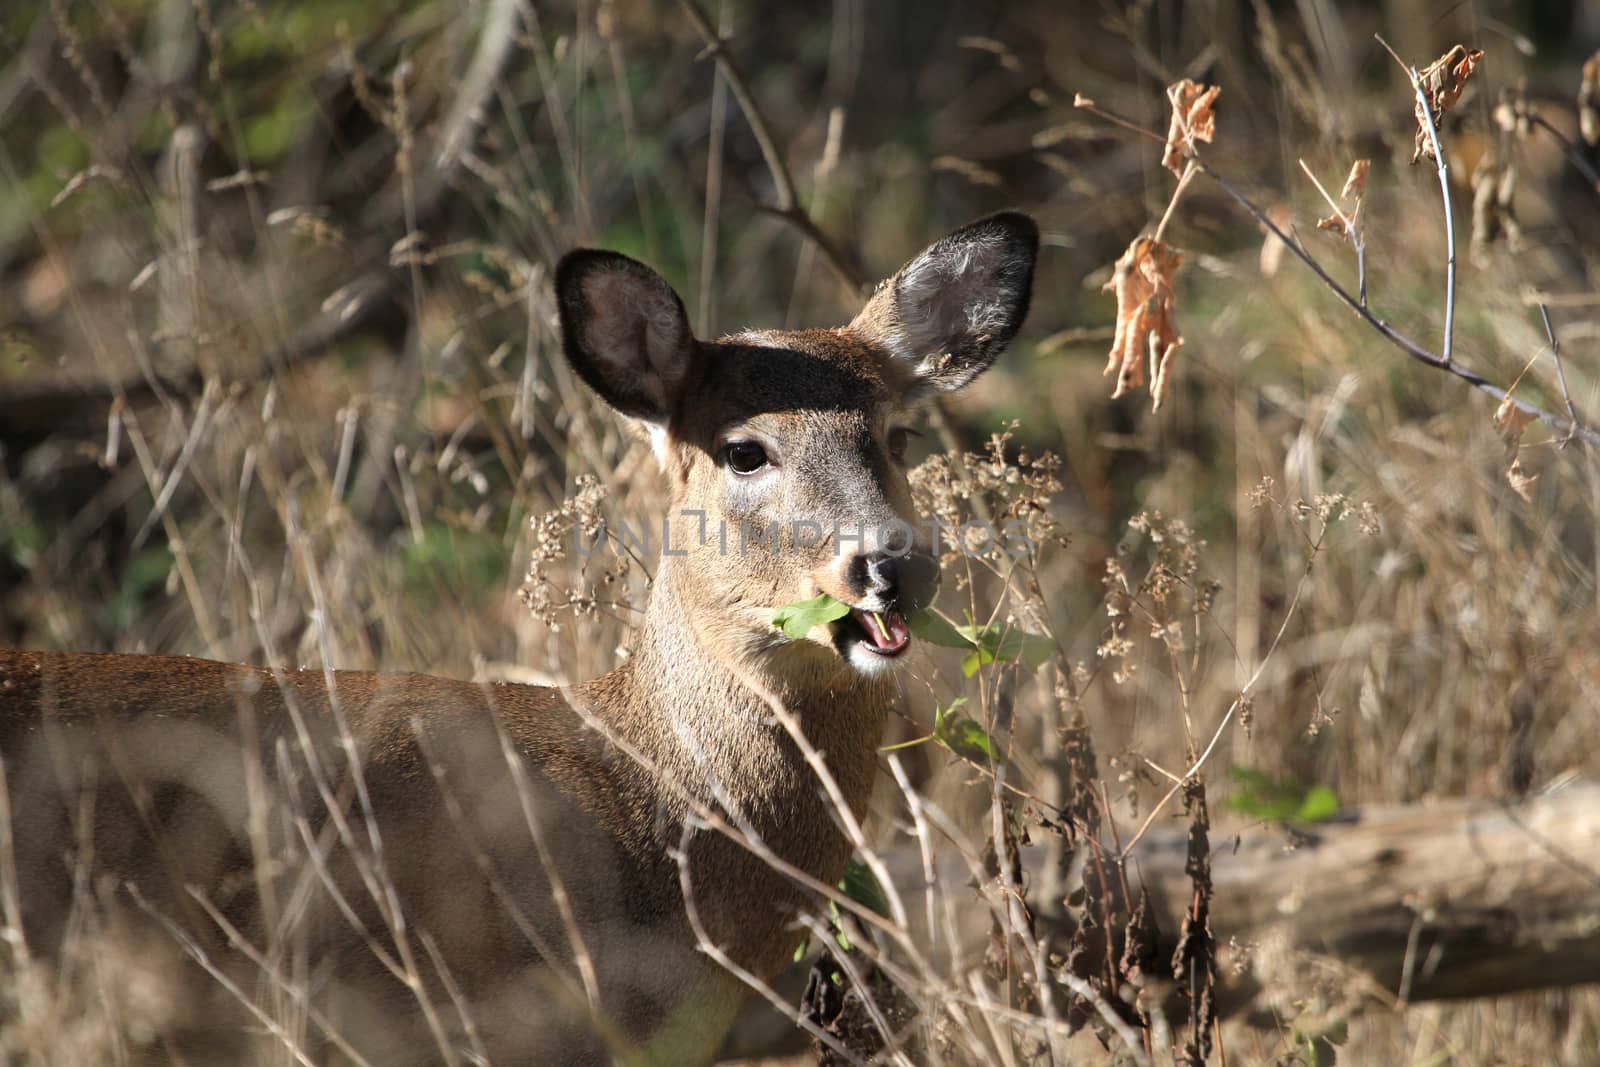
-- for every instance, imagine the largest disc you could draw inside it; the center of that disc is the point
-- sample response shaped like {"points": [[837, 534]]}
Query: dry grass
{"points": [[1406, 625]]}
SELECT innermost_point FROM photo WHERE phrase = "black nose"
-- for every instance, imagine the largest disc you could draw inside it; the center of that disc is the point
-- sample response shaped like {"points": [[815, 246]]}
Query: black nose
{"points": [[906, 582]]}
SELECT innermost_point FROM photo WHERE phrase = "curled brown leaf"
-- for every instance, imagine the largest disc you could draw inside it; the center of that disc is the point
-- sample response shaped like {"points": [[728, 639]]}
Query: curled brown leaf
{"points": [[1510, 419], [1194, 118], [1521, 481], [1442, 84], [1355, 186], [1146, 325]]}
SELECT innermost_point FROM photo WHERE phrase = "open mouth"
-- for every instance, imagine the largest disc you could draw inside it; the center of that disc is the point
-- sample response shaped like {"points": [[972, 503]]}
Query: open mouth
{"points": [[883, 633]]}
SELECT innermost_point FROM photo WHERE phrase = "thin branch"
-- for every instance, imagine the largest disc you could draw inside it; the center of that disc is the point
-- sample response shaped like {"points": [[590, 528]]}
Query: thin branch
{"points": [[1561, 374], [788, 206], [1083, 103], [1352, 229], [1400, 340], [1580, 164], [1227, 716], [1172, 205], [1444, 191]]}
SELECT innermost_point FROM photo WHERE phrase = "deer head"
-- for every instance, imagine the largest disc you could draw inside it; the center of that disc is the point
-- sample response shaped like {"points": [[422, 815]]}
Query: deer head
{"points": [[785, 450]]}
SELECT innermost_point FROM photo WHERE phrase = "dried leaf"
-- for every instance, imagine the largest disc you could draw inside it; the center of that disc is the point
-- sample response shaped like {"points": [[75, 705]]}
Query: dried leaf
{"points": [[1520, 480], [1193, 119], [1494, 185], [1511, 112], [1510, 419], [1336, 223], [1442, 85], [1355, 189], [1355, 186], [1589, 100], [1194, 963], [1146, 325]]}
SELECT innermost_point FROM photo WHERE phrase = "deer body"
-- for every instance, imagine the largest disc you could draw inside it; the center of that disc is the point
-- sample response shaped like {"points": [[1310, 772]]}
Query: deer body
{"points": [[406, 866]]}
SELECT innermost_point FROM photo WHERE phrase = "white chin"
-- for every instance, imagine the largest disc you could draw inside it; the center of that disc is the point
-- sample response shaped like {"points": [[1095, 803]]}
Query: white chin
{"points": [[871, 663]]}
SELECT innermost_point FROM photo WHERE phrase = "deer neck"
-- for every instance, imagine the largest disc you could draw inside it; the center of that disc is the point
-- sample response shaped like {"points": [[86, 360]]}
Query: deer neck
{"points": [[706, 700]]}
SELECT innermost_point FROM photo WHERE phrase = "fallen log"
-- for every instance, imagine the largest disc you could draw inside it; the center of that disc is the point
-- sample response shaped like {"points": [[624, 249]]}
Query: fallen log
{"points": [[1443, 900], [1453, 899]]}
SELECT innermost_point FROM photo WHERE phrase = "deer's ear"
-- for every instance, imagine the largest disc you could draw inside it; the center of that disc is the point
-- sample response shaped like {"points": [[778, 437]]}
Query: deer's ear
{"points": [[624, 332], [949, 312]]}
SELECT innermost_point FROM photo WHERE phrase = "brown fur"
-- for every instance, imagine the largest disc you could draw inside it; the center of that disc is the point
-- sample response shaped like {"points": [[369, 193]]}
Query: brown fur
{"points": [[526, 835]]}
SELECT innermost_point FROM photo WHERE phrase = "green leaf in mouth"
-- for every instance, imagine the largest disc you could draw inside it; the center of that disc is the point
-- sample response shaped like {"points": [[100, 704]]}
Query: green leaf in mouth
{"points": [[797, 619]]}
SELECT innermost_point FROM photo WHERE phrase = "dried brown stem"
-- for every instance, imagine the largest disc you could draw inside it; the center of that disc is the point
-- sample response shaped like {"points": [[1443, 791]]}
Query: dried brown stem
{"points": [[1172, 204], [788, 206], [1561, 374]]}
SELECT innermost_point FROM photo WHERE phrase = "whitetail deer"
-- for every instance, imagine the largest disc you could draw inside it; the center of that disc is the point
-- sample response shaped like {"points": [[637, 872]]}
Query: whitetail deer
{"points": [[401, 868]]}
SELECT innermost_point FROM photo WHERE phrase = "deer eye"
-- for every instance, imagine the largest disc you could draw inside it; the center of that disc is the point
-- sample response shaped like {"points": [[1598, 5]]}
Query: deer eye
{"points": [[744, 457], [899, 439]]}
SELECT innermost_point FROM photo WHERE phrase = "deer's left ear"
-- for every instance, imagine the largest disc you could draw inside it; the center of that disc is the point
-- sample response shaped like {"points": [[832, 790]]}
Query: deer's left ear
{"points": [[949, 312]]}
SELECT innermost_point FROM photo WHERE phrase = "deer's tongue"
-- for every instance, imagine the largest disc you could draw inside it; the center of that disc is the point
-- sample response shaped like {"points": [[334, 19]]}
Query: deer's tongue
{"points": [[886, 631]]}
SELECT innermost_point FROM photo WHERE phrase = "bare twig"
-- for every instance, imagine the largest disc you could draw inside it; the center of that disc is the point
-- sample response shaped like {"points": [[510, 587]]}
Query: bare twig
{"points": [[788, 206], [1352, 229], [1561, 374], [1398, 339], [1570, 150], [1426, 115], [713, 212], [1180, 781], [1172, 204], [195, 952], [891, 1040]]}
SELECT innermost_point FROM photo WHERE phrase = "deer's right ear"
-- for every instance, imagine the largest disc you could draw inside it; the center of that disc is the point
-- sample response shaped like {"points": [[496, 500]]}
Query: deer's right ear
{"points": [[949, 312], [624, 331]]}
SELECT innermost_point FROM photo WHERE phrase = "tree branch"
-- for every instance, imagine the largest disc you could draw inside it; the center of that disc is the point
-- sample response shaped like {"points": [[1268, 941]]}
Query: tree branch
{"points": [[788, 206], [1400, 340]]}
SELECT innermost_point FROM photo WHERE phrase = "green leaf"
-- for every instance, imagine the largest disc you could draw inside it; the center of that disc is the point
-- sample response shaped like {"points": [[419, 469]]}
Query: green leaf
{"points": [[797, 619], [997, 643], [861, 886], [838, 927], [984, 644], [970, 740], [937, 630], [1319, 805], [1262, 797], [940, 715], [961, 735]]}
